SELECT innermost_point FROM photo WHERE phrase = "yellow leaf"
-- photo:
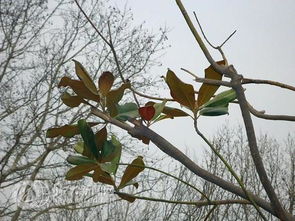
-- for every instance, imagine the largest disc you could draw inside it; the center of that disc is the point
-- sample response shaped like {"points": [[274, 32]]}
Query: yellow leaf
{"points": [[132, 171], [181, 92], [207, 90], [71, 101], [65, 131], [84, 77], [79, 88]]}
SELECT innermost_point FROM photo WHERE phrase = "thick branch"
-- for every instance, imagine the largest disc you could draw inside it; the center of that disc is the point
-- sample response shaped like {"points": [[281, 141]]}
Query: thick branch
{"points": [[280, 212], [172, 151]]}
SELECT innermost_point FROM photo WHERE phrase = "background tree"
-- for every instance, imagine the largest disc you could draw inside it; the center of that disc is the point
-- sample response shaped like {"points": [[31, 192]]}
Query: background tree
{"points": [[39, 39]]}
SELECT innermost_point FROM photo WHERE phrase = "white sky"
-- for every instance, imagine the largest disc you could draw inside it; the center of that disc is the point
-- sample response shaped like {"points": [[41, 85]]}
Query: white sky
{"points": [[262, 48]]}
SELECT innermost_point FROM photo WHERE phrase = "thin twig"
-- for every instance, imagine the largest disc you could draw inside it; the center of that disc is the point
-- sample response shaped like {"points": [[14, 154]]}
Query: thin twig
{"points": [[92, 24], [110, 44], [205, 37], [228, 38], [203, 33], [195, 203], [151, 97]]}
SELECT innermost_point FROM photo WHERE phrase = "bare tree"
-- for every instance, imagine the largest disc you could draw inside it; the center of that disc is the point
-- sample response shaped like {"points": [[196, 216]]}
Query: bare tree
{"points": [[39, 39]]}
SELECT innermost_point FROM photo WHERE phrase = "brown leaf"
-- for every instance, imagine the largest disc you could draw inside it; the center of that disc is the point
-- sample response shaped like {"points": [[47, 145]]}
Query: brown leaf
{"points": [[174, 112], [127, 197], [101, 176], [65, 131], [181, 92], [84, 77], [71, 101], [132, 171], [77, 172], [79, 88], [206, 90], [101, 137], [105, 82]]}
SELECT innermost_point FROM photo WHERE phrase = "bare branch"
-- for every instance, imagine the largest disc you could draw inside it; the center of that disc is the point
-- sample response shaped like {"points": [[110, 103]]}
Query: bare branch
{"points": [[196, 203], [208, 81], [273, 83], [261, 114]]}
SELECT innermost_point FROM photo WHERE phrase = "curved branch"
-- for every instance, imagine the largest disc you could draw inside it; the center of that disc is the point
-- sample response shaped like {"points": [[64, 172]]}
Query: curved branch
{"points": [[273, 83], [261, 114], [195, 203], [205, 37]]}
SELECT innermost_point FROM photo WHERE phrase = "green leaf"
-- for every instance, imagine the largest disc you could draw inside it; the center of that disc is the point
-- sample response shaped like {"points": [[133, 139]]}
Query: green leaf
{"points": [[105, 82], [79, 171], [114, 157], [84, 77], [88, 137], [132, 171], [162, 117], [65, 131], [181, 92], [113, 98], [214, 111], [107, 150], [71, 101], [126, 111], [159, 107], [77, 160], [207, 90], [79, 88], [222, 99], [80, 148]]}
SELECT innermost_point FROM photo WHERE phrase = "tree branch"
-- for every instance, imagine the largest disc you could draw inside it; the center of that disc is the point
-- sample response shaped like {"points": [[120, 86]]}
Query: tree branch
{"points": [[172, 151], [195, 203], [273, 83], [261, 114]]}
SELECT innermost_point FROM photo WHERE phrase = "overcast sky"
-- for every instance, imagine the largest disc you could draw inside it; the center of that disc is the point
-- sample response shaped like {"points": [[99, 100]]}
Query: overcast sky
{"points": [[262, 48]]}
